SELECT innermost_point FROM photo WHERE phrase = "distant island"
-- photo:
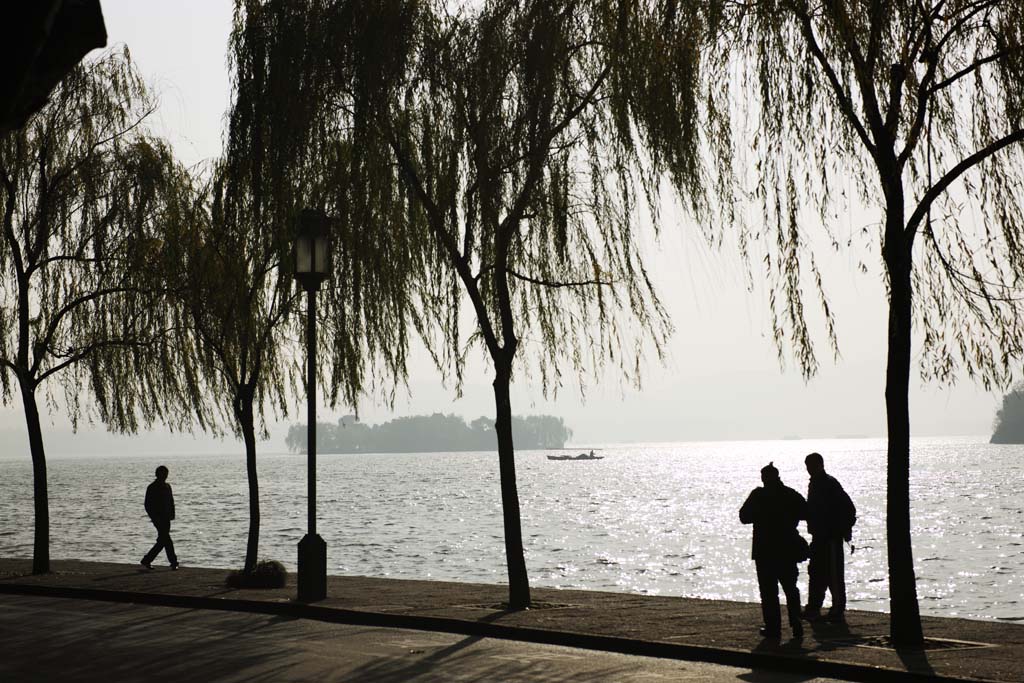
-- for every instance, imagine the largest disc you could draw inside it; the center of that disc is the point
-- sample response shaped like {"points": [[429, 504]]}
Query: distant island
{"points": [[1009, 427], [428, 433]]}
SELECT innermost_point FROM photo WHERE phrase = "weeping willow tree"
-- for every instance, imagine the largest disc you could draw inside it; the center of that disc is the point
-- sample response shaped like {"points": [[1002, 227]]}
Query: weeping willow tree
{"points": [[501, 144], [227, 255], [232, 305], [914, 109], [284, 154], [80, 319]]}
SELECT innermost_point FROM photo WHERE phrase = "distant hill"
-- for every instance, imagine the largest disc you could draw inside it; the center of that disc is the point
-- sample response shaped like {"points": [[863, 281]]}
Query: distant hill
{"points": [[1009, 425], [428, 433]]}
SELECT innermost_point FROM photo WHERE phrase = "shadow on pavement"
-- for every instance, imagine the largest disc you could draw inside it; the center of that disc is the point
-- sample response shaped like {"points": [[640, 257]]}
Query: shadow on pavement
{"points": [[460, 663], [130, 650]]}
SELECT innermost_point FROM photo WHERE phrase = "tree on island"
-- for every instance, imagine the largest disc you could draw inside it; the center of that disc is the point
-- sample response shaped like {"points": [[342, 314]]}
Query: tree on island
{"points": [[428, 433], [922, 105], [509, 129], [1009, 422], [80, 185]]}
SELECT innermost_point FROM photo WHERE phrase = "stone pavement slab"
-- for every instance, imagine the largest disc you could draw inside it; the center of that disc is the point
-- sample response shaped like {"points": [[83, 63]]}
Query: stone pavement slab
{"points": [[682, 628], [110, 642]]}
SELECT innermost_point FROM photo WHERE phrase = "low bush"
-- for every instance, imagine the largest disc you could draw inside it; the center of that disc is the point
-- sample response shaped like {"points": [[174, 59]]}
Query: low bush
{"points": [[266, 574]]}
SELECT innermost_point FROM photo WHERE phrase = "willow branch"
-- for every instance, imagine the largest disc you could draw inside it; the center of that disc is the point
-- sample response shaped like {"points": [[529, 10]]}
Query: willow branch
{"points": [[920, 116], [967, 70], [435, 220], [89, 350], [845, 101], [972, 11], [54, 324], [555, 284], [946, 180]]}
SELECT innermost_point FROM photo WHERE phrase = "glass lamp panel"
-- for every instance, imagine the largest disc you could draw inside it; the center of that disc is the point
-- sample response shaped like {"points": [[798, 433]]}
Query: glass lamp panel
{"points": [[322, 264], [303, 255]]}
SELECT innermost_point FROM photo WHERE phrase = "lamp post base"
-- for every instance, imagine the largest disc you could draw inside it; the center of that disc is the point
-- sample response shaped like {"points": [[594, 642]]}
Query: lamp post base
{"points": [[312, 568]]}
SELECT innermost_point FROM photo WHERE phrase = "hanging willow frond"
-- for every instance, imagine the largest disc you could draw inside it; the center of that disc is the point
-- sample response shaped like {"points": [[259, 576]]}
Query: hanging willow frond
{"points": [[82, 186], [492, 152]]}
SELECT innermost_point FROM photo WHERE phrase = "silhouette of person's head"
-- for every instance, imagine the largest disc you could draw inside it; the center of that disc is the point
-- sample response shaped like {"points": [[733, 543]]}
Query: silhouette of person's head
{"points": [[815, 464], [161, 473], [770, 475]]}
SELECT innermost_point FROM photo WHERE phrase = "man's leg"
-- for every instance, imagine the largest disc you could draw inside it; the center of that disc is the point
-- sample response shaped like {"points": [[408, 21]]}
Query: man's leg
{"points": [[157, 547], [167, 543], [817, 576], [837, 578], [768, 586], [787, 577]]}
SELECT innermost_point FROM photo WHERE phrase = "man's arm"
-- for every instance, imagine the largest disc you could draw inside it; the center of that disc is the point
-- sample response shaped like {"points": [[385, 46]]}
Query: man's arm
{"points": [[801, 506], [170, 502], [750, 508]]}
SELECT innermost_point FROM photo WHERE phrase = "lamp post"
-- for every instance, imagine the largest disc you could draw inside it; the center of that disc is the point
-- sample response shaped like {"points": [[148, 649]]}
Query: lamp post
{"points": [[312, 265]]}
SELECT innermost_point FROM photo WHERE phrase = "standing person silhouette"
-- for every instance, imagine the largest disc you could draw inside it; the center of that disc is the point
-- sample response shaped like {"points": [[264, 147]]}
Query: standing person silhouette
{"points": [[830, 519], [160, 508], [775, 510]]}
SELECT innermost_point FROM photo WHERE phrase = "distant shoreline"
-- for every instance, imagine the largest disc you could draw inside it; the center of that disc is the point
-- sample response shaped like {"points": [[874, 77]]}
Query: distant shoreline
{"points": [[143, 447]]}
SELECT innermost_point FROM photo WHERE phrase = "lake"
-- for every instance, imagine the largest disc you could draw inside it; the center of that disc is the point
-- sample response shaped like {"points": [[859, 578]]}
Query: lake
{"points": [[648, 518]]}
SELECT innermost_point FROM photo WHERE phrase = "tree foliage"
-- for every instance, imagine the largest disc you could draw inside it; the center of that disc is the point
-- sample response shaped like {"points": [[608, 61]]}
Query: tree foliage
{"points": [[82, 182], [931, 94], [516, 112], [292, 153], [233, 298]]}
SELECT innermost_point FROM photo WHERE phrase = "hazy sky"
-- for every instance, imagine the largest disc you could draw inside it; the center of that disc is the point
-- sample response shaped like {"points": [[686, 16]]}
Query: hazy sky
{"points": [[721, 381]]}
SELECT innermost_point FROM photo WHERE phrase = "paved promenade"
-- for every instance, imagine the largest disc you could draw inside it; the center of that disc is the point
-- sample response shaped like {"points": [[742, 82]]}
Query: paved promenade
{"points": [[679, 628], [108, 642]]}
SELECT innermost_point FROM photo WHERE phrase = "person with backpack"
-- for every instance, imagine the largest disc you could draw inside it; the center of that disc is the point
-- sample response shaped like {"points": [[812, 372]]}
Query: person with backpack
{"points": [[775, 510], [830, 519]]}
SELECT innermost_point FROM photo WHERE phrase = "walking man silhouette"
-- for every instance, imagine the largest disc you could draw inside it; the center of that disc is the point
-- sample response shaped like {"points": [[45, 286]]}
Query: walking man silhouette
{"points": [[160, 508], [830, 519], [775, 510]]}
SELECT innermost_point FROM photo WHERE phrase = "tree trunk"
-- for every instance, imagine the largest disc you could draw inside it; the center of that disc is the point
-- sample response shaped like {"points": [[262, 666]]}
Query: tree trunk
{"points": [[244, 414], [518, 583], [41, 544], [905, 616]]}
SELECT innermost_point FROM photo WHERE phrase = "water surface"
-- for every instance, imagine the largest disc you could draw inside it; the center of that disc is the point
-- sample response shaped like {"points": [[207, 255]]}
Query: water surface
{"points": [[652, 519]]}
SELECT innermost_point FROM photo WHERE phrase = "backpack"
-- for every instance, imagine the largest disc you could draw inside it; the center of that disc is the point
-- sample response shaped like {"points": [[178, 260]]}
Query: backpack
{"points": [[847, 514]]}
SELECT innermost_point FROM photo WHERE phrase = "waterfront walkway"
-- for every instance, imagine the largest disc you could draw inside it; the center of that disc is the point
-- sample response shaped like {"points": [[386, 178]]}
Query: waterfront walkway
{"points": [[679, 628]]}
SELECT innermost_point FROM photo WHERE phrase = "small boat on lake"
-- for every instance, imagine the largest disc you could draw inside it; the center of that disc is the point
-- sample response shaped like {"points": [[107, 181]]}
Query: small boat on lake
{"points": [[581, 456]]}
